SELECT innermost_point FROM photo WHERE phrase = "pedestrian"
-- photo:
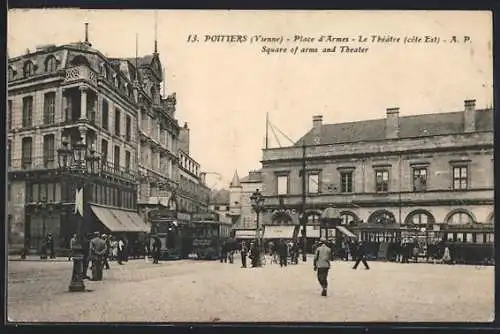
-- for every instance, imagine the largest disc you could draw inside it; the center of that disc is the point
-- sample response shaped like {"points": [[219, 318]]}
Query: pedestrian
{"points": [[72, 244], [254, 254], [361, 255], [86, 256], [107, 255], [244, 252], [121, 251], [97, 253], [50, 246], [321, 265], [223, 253], [156, 250], [283, 253]]}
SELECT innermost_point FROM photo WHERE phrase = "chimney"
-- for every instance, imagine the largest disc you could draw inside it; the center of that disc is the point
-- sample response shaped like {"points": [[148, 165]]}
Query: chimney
{"points": [[392, 123], [469, 115], [184, 139], [317, 121], [316, 131]]}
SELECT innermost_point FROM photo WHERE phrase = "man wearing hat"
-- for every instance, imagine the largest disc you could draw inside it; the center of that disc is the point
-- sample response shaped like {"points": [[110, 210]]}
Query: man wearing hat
{"points": [[322, 264], [97, 253]]}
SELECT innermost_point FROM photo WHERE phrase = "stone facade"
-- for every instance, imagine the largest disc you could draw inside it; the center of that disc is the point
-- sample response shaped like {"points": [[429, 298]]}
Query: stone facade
{"points": [[365, 178], [244, 217]]}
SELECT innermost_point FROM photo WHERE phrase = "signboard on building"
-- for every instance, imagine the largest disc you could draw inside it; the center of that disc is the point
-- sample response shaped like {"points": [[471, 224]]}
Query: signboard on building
{"points": [[207, 216]]}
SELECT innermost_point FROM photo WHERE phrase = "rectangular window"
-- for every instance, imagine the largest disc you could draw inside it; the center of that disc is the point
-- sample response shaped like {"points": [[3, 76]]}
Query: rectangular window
{"points": [[9, 115], [282, 181], [346, 182], [127, 161], [27, 147], [49, 151], [313, 183], [27, 111], [50, 192], [105, 115], [117, 158], [460, 180], [381, 180], [9, 153], [419, 179], [117, 121], [128, 129], [104, 151], [49, 108]]}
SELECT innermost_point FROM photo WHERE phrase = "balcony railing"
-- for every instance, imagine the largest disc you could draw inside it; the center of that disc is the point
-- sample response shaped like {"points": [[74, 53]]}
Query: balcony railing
{"points": [[81, 73], [112, 169], [47, 163], [33, 163]]}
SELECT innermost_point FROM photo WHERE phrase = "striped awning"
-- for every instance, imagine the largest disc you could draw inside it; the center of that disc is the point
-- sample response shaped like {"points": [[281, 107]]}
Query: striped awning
{"points": [[117, 220], [345, 231]]}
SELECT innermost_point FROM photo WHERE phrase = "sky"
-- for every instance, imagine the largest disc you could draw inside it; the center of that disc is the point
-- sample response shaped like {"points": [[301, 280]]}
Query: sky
{"points": [[224, 89]]}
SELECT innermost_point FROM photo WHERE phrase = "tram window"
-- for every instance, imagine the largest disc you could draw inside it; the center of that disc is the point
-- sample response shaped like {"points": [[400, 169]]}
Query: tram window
{"points": [[468, 237], [460, 237], [490, 237], [479, 238]]}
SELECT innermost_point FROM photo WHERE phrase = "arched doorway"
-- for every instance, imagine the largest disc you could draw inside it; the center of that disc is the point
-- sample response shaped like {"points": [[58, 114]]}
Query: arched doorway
{"points": [[382, 217]]}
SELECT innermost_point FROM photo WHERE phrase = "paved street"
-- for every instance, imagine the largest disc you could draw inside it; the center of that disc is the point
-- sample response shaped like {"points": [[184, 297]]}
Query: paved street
{"points": [[211, 291]]}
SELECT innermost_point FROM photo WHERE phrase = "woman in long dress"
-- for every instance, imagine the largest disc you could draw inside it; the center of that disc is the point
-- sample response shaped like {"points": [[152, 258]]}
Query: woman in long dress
{"points": [[446, 255]]}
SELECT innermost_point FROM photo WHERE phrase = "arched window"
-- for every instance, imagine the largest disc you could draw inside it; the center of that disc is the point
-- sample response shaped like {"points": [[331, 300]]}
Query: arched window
{"points": [[50, 64], [420, 218], [281, 218], [460, 218], [382, 217], [347, 217], [28, 69], [80, 61], [313, 219]]}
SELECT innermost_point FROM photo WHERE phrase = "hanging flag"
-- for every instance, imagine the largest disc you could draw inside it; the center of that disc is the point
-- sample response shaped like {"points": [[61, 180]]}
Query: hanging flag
{"points": [[79, 201]]}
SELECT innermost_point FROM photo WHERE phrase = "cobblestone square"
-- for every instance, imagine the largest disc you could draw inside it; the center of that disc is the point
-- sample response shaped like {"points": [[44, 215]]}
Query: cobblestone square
{"points": [[189, 291]]}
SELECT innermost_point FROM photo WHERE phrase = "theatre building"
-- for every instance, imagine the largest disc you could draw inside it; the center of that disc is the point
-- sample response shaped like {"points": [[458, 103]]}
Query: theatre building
{"points": [[428, 171], [70, 93]]}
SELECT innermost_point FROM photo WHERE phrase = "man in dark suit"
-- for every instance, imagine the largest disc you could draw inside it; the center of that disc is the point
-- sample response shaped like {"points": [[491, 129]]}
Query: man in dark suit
{"points": [[244, 252], [283, 253], [361, 255]]}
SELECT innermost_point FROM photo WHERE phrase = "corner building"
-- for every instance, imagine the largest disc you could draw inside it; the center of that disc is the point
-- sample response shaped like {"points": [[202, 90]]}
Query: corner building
{"points": [[64, 93], [424, 171]]}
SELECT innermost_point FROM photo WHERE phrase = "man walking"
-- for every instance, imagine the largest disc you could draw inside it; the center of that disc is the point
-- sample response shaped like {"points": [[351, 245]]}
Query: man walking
{"points": [[50, 246], [322, 265], [244, 252], [361, 256], [283, 253], [121, 250]]}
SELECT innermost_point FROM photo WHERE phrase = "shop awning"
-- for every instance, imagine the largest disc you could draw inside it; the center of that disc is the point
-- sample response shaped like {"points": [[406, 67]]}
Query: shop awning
{"points": [[120, 220], [346, 232], [279, 232], [313, 231], [245, 234], [108, 219]]}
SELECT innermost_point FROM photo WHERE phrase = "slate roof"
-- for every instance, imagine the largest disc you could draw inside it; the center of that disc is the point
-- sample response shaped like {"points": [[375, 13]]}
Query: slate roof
{"points": [[219, 196], [409, 127], [252, 177], [141, 61]]}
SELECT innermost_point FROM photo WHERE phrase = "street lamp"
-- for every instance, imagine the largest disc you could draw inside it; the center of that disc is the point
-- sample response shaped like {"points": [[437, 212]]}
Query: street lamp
{"points": [[78, 161], [257, 201]]}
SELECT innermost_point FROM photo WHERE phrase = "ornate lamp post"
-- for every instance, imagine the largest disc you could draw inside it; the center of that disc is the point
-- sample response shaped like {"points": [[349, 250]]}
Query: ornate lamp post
{"points": [[78, 162], [257, 201]]}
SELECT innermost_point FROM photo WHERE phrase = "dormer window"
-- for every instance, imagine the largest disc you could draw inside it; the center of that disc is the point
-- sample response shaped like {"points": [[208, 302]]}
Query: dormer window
{"points": [[50, 64], [12, 73], [28, 69]]}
